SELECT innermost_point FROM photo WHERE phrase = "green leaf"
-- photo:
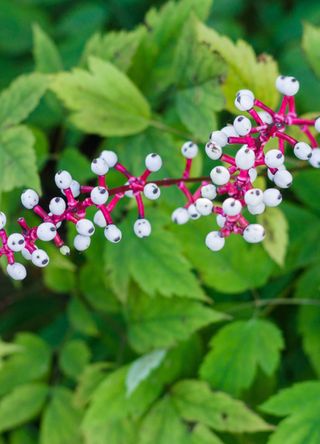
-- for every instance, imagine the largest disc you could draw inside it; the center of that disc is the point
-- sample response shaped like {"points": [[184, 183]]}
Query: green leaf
{"points": [[236, 268], [157, 48], [245, 70], [238, 349], [30, 364], [140, 369], [306, 186], [17, 159], [88, 381], [81, 318], [76, 163], [46, 55], [158, 322], [203, 435], [163, 425], [61, 420], [23, 435], [7, 348], [60, 276], [21, 405], [74, 356], [103, 101], [310, 45], [309, 328], [199, 95], [197, 403], [115, 47], [303, 428], [303, 396], [302, 402], [276, 240], [154, 263], [21, 98]]}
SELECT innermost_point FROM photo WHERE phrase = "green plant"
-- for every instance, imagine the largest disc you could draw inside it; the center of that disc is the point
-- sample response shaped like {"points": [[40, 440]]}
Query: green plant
{"points": [[123, 344]]}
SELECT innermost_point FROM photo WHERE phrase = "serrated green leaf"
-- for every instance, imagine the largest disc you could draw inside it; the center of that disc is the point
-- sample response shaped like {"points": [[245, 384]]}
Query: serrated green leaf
{"points": [[158, 322], [102, 100], [158, 266], [196, 402], [156, 50], [115, 47], [17, 159], [203, 435], [276, 240], [293, 400], [163, 425], [310, 45], [61, 420], [140, 369], [245, 69], [238, 349], [30, 364], [236, 268], [74, 356], [21, 98], [46, 55], [21, 405]]}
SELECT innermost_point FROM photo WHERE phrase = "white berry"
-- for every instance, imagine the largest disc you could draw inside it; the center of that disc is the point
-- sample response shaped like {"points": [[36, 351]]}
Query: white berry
{"points": [[17, 271], [3, 220], [257, 209], [153, 162], [151, 191], [221, 220], [26, 254], [193, 212], [245, 158], [253, 174], [81, 243], [85, 227], [242, 125], [189, 150], [204, 206], [40, 258], [283, 178], [272, 197], [219, 138], [113, 233], [16, 242], [265, 117], [220, 175], [109, 157], [65, 250], [63, 180], [180, 216], [302, 151], [213, 151], [29, 199], [317, 124], [99, 195], [274, 158], [231, 206], [209, 191], [253, 196], [142, 228], [57, 206], [279, 168], [315, 158], [99, 219], [46, 231], [254, 233], [215, 241], [75, 188], [288, 86], [99, 166], [229, 131], [244, 100]]}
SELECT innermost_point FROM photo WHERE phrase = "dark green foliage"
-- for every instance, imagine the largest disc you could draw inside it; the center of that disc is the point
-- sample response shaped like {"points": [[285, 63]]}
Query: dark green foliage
{"points": [[159, 340]]}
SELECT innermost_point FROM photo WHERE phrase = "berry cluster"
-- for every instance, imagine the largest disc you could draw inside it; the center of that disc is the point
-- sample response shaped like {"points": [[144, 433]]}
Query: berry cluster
{"points": [[234, 178]]}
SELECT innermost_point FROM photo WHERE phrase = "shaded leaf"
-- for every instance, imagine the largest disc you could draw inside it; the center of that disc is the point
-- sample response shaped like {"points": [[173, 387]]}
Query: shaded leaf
{"points": [[46, 55], [310, 45], [74, 356], [276, 240]]}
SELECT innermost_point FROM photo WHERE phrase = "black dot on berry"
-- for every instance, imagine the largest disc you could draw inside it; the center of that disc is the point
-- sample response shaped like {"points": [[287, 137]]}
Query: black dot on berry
{"points": [[257, 192], [240, 119], [45, 261], [190, 144], [309, 156], [279, 156], [246, 150], [117, 239], [52, 229], [21, 241], [153, 155], [57, 199], [218, 170], [293, 80], [91, 230]]}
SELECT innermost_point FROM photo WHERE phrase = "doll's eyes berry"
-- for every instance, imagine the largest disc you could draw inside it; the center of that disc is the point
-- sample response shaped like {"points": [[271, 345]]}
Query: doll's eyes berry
{"points": [[238, 152]]}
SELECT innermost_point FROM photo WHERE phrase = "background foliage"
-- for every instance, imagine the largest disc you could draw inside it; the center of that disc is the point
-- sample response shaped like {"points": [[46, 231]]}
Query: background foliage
{"points": [[156, 341]]}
